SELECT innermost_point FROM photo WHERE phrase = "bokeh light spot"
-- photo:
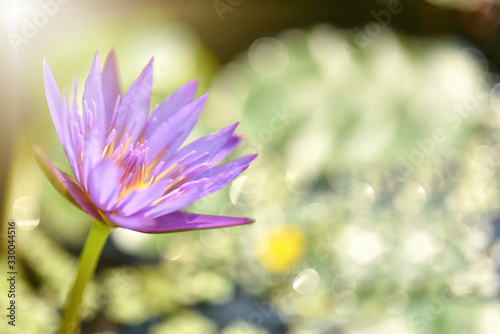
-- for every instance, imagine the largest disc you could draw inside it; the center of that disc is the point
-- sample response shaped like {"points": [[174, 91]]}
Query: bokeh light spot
{"points": [[306, 281], [268, 56], [213, 238], [301, 177], [129, 241], [315, 217], [26, 212], [343, 285], [361, 197]]}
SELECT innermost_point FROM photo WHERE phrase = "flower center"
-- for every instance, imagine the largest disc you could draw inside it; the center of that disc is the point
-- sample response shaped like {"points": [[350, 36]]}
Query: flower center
{"points": [[132, 159], [137, 173]]}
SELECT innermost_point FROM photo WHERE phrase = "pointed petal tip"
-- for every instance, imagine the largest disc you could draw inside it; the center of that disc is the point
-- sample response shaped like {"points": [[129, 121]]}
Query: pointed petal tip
{"points": [[111, 57], [52, 91], [234, 126], [191, 86], [46, 69], [228, 129], [246, 161], [111, 83], [193, 83], [147, 72], [246, 220], [38, 152], [203, 99], [112, 52], [149, 67], [96, 63], [97, 59], [252, 157]]}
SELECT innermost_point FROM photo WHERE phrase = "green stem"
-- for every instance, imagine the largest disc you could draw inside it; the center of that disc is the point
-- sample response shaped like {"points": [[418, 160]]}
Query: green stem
{"points": [[70, 322]]}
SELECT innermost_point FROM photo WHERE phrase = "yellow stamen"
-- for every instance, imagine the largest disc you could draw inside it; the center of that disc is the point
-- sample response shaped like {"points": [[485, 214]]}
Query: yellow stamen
{"points": [[167, 171], [176, 183], [155, 161], [165, 196]]}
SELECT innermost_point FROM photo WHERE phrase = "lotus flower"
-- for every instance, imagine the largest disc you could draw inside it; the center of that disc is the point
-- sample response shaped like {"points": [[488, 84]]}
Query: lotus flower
{"points": [[129, 167]]}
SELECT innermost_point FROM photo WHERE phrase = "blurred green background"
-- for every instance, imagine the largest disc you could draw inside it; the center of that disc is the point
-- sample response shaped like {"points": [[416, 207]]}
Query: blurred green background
{"points": [[375, 194]]}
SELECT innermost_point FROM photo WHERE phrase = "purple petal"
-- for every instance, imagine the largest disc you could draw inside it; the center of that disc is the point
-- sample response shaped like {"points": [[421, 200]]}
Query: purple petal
{"points": [[219, 176], [173, 132], [176, 221], [176, 101], [134, 107], [210, 144], [73, 138], [66, 186], [54, 100], [140, 199], [58, 107], [103, 185], [68, 146], [227, 149], [93, 97], [91, 147], [111, 85], [177, 199]]}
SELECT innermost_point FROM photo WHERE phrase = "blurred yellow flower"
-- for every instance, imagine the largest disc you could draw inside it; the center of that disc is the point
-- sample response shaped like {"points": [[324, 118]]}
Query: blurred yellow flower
{"points": [[281, 249]]}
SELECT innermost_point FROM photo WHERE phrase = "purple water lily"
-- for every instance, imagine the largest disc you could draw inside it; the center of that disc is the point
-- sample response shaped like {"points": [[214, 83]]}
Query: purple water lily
{"points": [[129, 167]]}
